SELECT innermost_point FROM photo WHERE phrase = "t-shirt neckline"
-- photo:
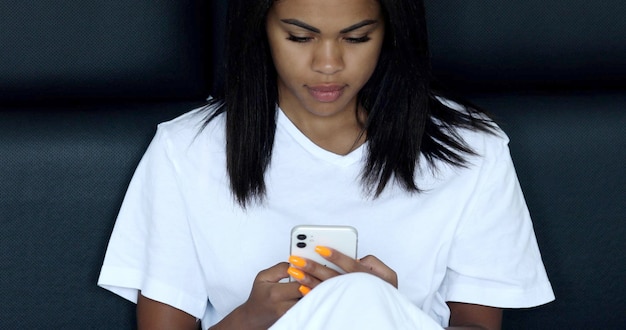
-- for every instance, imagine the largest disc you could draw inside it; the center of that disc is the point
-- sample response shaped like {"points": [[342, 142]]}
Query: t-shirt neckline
{"points": [[318, 152]]}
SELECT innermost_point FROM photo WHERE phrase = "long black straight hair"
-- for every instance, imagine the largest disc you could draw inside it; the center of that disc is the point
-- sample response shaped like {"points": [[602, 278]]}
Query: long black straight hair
{"points": [[405, 117]]}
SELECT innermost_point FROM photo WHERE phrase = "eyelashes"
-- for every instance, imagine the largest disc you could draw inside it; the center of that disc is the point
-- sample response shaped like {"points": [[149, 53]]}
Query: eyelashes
{"points": [[358, 40], [349, 40], [298, 39]]}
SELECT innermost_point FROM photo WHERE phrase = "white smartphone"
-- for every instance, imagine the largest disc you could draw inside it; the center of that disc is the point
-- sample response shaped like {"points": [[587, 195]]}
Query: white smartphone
{"points": [[305, 238]]}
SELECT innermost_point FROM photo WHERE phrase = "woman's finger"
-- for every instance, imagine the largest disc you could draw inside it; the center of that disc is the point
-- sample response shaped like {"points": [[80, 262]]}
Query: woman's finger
{"points": [[369, 264], [376, 267], [308, 272]]}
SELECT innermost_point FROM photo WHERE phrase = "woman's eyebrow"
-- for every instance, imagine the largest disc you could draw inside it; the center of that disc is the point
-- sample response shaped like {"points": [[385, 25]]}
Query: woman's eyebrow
{"points": [[358, 25], [308, 27], [301, 24]]}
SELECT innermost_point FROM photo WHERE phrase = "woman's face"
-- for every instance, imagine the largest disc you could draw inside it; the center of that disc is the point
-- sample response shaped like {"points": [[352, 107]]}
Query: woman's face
{"points": [[324, 52]]}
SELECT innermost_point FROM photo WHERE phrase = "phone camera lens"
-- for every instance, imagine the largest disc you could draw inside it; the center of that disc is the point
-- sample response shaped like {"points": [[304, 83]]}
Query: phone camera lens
{"points": [[301, 245], [302, 237]]}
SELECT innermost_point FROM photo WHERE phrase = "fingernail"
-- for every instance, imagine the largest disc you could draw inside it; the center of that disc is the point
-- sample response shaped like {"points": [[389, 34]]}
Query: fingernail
{"points": [[295, 273], [297, 261], [304, 290], [323, 251]]}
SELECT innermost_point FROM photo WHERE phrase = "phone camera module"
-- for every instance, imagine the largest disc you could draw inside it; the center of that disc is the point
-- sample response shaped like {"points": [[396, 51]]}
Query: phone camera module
{"points": [[302, 237], [301, 245]]}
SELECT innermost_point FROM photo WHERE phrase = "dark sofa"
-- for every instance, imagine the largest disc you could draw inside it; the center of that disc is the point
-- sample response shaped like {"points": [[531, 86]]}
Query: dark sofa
{"points": [[83, 84]]}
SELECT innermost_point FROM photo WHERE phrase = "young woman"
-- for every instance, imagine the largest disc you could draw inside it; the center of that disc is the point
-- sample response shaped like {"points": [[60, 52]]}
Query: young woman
{"points": [[326, 117]]}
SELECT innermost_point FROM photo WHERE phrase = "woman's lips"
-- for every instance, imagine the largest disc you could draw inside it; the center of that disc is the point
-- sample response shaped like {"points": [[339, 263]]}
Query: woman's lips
{"points": [[326, 93]]}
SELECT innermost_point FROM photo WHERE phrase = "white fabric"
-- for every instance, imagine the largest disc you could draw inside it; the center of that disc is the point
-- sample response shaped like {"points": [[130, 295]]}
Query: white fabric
{"points": [[182, 240], [367, 301]]}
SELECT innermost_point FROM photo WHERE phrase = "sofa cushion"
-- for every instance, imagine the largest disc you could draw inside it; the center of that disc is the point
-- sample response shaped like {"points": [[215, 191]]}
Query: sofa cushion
{"points": [[64, 172], [531, 44], [569, 154], [103, 49]]}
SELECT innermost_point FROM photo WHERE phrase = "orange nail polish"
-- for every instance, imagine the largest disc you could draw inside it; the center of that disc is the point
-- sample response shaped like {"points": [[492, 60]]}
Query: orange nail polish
{"points": [[295, 273], [304, 290], [297, 261], [323, 251]]}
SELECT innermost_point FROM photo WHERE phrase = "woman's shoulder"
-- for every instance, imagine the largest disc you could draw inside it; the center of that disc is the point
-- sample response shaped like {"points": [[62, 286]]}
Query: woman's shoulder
{"points": [[199, 123], [481, 133]]}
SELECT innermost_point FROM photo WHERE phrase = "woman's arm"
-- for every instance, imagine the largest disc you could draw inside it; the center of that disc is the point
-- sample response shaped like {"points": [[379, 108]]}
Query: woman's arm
{"points": [[470, 316], [268, 301], [155, 315], [462, 315]]}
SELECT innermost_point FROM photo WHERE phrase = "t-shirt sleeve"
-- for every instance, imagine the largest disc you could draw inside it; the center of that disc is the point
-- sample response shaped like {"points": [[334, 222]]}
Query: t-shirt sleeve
{"points": [[494, 258], [151, 248]]}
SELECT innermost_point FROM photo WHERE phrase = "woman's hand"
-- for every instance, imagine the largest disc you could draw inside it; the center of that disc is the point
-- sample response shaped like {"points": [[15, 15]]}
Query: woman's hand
{"points": [[268, 301], [309, 273]]}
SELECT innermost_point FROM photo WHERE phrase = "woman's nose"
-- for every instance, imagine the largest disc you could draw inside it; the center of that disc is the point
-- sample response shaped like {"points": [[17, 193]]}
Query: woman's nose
{"points": [[328, 58]]}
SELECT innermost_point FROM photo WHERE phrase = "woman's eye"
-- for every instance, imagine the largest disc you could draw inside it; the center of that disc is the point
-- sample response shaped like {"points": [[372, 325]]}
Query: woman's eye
{"points": [[298, 39], [358, 40]]}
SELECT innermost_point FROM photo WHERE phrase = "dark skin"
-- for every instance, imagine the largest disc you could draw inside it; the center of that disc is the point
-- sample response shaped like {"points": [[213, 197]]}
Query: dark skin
{"points": [[269, 300], [152, 314]]}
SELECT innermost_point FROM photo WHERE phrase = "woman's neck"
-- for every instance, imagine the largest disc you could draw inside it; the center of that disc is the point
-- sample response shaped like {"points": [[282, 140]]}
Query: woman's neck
{"points": [[339, 134]]}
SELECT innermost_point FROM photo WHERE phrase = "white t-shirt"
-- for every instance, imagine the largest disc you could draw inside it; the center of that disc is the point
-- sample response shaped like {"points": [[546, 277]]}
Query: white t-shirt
{"points": [[181, 239]]}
